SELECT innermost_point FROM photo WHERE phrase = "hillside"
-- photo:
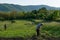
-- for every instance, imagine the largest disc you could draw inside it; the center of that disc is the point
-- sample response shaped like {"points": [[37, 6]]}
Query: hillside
{"points": [[13, 7]]}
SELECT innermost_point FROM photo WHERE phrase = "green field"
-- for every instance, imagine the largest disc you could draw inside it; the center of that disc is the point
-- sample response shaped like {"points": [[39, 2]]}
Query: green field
{"points": [[24, 28]]}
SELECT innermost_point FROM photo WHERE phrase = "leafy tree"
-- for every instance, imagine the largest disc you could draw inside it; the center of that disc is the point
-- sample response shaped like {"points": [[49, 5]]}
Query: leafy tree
{"points": [[34, 12], [13, 15], [43, 12]]}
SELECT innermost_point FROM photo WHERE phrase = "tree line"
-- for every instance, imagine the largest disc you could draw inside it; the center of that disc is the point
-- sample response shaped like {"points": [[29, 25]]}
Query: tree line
{"points": [[42, 13]]}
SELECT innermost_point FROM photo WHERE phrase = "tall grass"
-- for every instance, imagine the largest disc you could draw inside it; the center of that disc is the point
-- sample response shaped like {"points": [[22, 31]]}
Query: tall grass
{"points": [[24, 28]]}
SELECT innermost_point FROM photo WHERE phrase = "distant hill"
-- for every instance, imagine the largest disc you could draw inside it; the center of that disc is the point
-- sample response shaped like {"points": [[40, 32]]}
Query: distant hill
{"points": [[13, 7]]}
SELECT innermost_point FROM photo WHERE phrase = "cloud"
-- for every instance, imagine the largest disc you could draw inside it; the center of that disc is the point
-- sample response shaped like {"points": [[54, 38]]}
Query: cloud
{"points": [[55, 3]]}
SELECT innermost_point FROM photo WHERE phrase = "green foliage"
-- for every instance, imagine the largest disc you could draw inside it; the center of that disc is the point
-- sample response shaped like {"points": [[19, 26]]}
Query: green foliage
{"points": [[42, 10], [2, 19], [53, 16], [34, 11], [42, 13]]}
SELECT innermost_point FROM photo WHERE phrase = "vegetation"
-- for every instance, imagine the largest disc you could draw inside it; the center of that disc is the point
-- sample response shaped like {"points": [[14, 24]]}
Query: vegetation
{"points": [[25, 29], [19, 24], [21, 28], [42, 13]]}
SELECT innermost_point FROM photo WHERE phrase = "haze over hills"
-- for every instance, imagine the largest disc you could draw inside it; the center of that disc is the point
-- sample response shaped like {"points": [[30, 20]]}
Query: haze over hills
{"points": [[13, 7]]}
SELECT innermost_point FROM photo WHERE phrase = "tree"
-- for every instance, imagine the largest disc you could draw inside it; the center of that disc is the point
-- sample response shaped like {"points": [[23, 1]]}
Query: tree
{"points": [[43, 12], [13, 15], [53, 15], [34, 12]]}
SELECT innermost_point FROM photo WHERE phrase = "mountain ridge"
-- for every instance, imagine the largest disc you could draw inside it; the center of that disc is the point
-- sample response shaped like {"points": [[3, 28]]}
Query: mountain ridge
{"points": [[14, 7]]}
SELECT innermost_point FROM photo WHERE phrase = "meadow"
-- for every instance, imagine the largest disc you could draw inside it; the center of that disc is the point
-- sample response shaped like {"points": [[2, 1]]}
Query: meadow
{"points": [[21, 28], [25, 28]]}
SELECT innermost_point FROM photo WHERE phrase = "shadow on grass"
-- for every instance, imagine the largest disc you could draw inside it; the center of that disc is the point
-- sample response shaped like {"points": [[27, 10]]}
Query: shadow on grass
{"points": [[34, 37], [17, 38]]}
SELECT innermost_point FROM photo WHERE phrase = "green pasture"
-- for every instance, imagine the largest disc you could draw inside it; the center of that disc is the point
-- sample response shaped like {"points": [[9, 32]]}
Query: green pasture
{"points": [[25, 28]]}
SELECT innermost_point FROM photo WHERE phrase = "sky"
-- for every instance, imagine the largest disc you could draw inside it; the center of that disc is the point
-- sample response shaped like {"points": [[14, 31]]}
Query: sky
{"points": [[54, 3]]}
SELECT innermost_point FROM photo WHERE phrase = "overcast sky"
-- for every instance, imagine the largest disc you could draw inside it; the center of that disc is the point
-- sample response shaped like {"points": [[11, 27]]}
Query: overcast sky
{"points": [[55, 3]]}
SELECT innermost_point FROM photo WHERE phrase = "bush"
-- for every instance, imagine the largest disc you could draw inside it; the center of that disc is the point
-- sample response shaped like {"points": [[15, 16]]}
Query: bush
{"points": [[13, 21], [2, 19]]}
